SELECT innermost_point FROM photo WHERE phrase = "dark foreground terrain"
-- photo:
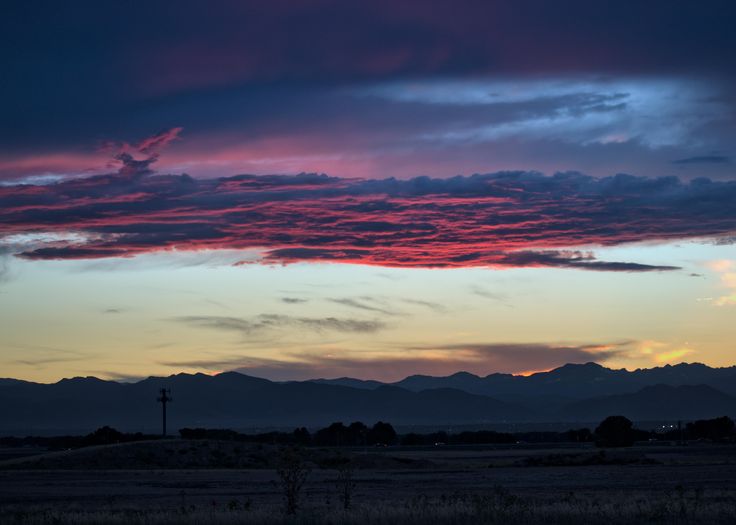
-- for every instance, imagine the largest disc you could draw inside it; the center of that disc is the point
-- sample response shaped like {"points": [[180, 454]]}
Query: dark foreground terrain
{"points": [[204, 481]]}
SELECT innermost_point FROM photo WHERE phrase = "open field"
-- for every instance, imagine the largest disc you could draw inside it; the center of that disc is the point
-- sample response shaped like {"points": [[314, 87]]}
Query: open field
{"points": [[509, 484]]}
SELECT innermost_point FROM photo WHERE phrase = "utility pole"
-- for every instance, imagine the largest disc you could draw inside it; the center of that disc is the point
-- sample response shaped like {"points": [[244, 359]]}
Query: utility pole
{"points": [[164, 398]]}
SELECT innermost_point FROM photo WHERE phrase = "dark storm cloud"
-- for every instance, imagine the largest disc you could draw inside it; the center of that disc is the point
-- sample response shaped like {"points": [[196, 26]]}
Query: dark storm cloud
{"points": [[508, 219], [132, 167], [576, 259], [85, 70]]}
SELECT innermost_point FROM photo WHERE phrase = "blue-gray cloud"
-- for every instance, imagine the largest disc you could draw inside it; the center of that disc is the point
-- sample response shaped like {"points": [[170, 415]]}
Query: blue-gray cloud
{"points": [[704, 159]]}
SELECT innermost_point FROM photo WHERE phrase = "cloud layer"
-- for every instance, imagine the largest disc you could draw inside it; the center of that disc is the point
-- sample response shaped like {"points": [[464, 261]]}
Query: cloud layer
{"points": [[443, 360], [372, 88], [507, 219]]}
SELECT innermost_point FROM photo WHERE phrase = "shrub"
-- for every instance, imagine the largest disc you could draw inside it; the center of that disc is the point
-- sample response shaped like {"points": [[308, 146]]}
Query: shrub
{"points": [[345, 483], [293, 473]]}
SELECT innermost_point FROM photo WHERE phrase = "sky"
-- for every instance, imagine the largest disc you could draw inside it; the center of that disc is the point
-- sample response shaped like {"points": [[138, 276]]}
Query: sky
{"points": [[374, 189]]}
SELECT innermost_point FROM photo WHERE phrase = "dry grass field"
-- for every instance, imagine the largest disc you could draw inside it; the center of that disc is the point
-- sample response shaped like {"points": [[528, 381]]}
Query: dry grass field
{"points": [[227, 482]]}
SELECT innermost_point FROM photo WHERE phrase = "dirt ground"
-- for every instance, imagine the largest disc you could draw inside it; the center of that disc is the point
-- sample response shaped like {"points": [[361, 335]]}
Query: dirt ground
{"points": [[435, 474]]}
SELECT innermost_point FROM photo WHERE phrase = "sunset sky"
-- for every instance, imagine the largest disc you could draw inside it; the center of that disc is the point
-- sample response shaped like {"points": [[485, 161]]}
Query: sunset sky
{"points": [[369, 189]]}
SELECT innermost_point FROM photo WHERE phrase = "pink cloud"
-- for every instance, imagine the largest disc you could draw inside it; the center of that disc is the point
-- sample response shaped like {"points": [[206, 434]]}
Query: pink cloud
{"points": [[511, 219]]}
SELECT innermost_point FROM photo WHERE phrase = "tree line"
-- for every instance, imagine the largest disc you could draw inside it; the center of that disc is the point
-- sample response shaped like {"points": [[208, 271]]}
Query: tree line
{"points": [[614, 431]]}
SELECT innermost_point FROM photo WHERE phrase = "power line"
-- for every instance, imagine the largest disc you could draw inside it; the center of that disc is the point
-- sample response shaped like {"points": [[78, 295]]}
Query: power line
{"points": [[164, 398]]}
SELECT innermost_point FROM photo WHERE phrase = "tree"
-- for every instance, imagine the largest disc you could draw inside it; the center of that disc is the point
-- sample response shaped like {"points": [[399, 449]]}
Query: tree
{"points": [[357, 432], [381, 434], [718, 429], [338, 435], [104, 436], [333, 436], [579, 435], [302, 436], [615, 431], [413, 439]]}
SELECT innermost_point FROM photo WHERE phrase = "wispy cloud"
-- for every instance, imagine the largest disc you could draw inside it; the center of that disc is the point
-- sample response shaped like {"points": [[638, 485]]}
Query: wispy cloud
{"points": [[363, 303], [437, 307], [294, 300], [151, 147], [115, 376], [523, 357], [704, 159], [478, 358], [38, 357], [487, 294], [42, 361], [264, 322]]}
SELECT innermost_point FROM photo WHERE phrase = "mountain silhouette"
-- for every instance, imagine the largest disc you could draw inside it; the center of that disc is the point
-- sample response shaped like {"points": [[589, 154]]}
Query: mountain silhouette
{"points": [[577, 381], [574, 392], [232, 400], [656, 402], [367, 384]]}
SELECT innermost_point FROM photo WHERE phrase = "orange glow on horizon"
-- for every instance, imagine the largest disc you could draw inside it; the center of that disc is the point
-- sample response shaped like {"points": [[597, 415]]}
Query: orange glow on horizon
{"points": [[527, 373]]}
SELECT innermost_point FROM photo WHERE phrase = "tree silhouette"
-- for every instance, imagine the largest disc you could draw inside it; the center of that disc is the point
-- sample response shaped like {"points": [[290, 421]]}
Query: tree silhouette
{"points": [[615, 431], [381, 434], [718, 429], [104, 436], [302, 436], [338, 435]]}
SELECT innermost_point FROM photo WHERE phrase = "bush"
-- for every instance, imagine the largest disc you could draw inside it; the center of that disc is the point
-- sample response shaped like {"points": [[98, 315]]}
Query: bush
{"points": [[293, 473], [345, 483]]}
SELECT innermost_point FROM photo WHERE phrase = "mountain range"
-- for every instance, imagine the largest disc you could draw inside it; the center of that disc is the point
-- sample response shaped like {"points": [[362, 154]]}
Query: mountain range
{"points": [[574, 393]]}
